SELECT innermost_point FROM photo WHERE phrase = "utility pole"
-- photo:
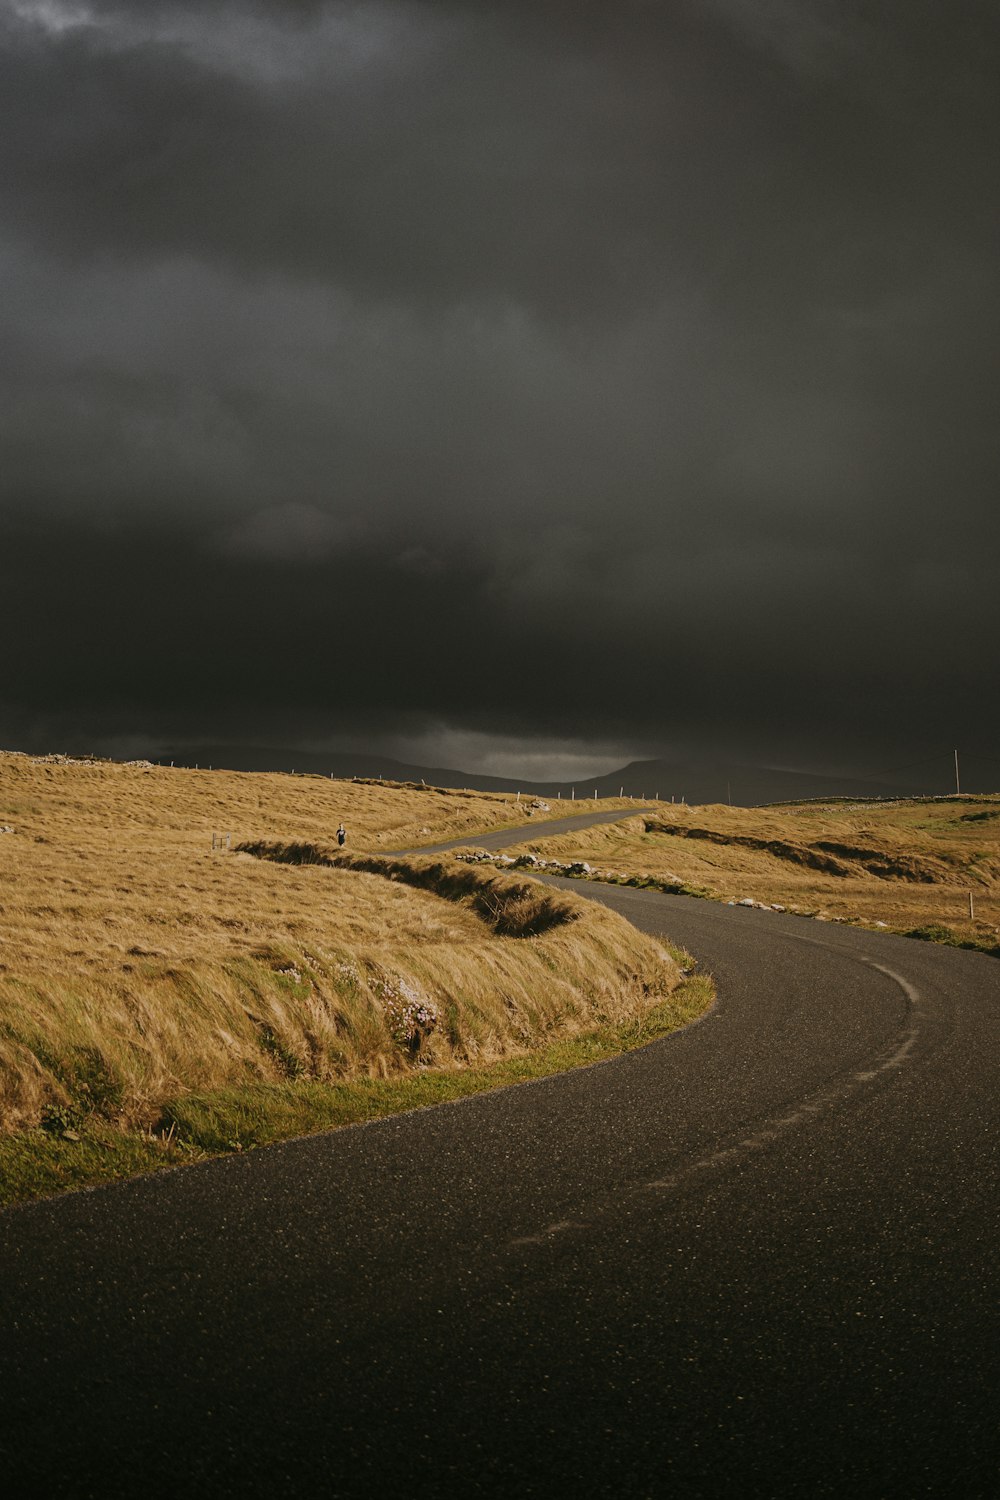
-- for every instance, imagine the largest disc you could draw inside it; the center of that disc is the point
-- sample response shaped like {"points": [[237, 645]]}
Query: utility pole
{"points": [[958, 789]]}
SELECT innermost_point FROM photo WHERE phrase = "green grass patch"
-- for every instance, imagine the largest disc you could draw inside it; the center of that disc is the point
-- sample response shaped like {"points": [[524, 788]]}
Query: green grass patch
{"points": [[936, 932], [38, 1163]]}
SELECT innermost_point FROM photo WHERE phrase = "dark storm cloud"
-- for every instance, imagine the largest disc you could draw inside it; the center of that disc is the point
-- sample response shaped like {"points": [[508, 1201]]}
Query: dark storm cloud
{"points": [[428, 174], [143, 630], [553, 370]]}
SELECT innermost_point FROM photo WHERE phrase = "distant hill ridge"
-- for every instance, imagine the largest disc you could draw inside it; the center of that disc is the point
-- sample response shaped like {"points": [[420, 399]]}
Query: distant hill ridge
{"points": [[690, 781]]}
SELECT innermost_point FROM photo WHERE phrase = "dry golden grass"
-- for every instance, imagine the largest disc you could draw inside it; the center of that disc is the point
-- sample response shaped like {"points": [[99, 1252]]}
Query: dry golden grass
{"points": [[53, 797], [137, 964], [904, 864]]}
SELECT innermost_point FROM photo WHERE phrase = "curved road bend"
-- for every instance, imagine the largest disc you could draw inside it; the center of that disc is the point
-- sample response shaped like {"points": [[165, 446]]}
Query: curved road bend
{"points": [[504, 838], [757, 1258]]}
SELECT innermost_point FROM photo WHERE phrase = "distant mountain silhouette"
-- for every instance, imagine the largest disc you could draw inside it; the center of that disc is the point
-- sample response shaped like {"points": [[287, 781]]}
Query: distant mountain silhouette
{"points": [[690, 780], [341, 764]]}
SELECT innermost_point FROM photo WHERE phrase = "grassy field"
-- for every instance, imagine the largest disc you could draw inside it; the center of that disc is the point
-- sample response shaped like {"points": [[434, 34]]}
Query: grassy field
{"points": [[909, 866], [141, 970]]}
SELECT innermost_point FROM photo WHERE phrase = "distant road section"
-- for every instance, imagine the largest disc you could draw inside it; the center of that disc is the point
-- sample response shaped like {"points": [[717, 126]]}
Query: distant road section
{"points": [[504, 838], [758, 1258]]}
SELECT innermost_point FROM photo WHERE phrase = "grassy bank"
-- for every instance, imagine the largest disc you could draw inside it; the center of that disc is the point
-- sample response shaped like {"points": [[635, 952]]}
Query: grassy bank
{"points": [[327, 974], [141, 968], [908, 867], [36, 1163]]}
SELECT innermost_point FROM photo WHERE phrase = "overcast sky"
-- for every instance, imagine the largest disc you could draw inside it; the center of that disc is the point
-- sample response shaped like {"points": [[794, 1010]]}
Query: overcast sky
{"points": [[532, 383]]}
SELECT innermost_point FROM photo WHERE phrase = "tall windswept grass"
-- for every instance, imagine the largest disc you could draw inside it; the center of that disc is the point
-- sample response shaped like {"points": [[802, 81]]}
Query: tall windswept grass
{"points": [[138, 965]]}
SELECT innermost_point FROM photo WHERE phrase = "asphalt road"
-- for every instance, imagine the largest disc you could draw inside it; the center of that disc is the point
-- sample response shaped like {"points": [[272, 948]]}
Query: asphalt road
{"points": [[504, 838], [758, 1258]]}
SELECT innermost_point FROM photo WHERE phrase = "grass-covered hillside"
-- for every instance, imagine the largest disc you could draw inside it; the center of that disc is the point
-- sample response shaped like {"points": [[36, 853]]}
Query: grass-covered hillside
{"points": [[155, 986], [910, 866]]}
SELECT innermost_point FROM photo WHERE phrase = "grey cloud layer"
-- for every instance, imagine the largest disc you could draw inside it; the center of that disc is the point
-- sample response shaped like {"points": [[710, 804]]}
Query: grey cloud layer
{"points": [[455, 341]]}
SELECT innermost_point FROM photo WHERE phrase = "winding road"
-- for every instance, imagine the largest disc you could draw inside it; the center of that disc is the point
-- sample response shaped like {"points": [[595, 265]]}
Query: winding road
{"points": [[758, 1258]]}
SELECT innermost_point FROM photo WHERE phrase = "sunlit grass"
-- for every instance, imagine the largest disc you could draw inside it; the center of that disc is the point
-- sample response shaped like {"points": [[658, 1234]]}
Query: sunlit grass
{"points": [[907, 866], [139, 966], [195, 1126]]}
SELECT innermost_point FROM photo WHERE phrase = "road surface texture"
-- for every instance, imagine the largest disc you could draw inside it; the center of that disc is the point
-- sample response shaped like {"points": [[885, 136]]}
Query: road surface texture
{"points": [[758, 1258]]}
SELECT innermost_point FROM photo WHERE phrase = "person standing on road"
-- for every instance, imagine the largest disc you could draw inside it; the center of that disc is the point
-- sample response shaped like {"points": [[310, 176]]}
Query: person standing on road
{"points": [[341, 835]]}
